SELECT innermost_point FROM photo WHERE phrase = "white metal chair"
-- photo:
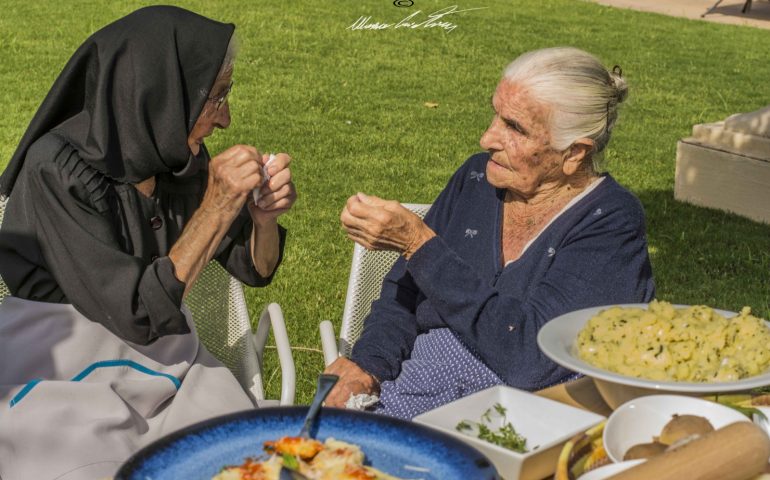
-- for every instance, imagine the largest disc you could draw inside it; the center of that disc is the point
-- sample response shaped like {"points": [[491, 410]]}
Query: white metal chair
{"points": [[367, 270], [222, 320], [4, 291]]}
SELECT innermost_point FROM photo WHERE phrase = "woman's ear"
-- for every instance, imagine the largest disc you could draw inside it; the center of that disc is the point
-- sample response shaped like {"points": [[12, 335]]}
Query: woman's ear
{"points": [[576, 154]]}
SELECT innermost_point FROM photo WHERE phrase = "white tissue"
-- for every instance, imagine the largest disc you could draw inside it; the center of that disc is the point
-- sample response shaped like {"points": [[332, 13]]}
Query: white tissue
{"points": [[361, 401], [265, 177]]}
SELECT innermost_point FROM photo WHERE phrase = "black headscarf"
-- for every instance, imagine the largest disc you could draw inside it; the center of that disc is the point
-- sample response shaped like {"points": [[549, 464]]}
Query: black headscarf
{"points": [[130, 95]]}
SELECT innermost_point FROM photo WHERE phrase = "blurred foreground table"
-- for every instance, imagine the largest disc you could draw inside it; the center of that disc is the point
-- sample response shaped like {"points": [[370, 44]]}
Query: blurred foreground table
{"points": [[580, 393]]}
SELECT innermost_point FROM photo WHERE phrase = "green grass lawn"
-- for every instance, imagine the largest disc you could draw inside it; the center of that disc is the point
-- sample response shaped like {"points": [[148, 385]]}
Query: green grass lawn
{"points": [[349, 107]]}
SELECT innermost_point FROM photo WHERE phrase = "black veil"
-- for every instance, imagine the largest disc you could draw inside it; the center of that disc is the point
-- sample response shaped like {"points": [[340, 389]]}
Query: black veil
{"points": [[130, 95]]}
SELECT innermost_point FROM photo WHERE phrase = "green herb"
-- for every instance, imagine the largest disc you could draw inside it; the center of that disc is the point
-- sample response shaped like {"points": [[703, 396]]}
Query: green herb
{"points": [[464, 425], [485, 415], [290, 461], [505, 436]]}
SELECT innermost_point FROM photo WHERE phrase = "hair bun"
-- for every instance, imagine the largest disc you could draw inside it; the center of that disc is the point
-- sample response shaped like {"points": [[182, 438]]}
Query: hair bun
{"points": [[619, 84]]}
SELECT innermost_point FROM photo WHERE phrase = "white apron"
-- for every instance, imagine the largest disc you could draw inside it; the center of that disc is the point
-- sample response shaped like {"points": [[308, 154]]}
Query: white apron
{"points": [[76, 401]]}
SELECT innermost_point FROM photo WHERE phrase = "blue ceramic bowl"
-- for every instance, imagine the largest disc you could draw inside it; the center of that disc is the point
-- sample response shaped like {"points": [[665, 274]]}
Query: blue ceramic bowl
{"points": [[199, 451]]}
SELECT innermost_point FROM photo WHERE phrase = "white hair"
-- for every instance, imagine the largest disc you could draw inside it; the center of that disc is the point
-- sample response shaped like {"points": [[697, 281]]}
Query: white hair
{"points": [[230, 55], [583, 95]]}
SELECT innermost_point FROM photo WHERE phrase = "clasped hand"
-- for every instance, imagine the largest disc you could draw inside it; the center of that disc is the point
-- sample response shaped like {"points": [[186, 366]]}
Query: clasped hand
{"points": [[236, 172], [353, 381], [378, 224]]}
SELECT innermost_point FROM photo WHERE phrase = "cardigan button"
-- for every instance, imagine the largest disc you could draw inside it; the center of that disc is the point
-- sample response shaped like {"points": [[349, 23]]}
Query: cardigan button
{"points": [[156, 222]]}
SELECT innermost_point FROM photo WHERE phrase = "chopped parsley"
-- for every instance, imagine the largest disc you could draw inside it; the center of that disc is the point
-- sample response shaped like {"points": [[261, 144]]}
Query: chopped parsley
{"points": [[505, 436]]}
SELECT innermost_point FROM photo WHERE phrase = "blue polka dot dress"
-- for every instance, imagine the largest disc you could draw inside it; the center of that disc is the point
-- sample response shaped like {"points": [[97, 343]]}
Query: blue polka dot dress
{"points": [[440, 370]]}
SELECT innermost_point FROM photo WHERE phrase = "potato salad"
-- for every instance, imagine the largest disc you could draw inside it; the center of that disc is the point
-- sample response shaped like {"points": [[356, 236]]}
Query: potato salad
{"points": [[693, 344]]}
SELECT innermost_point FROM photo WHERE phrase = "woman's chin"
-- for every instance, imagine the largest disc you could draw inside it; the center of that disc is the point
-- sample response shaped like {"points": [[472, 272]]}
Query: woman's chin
{"points": [[496, 174]]}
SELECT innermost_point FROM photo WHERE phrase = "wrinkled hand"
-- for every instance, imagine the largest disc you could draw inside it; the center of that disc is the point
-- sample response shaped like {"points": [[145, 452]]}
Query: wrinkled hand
{"points": [[378, 224], [353, 381], [233, 174], [278, 194]]}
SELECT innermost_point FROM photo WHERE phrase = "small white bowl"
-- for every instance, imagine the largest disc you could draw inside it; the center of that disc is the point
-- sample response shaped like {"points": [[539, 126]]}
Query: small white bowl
{"points": [[545, 424], [641, 419], [609, 470]]}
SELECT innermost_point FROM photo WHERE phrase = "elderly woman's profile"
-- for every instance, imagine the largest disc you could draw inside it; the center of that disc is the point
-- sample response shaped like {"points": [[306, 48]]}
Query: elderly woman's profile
{"points": [[522, 233], [114, 208]]}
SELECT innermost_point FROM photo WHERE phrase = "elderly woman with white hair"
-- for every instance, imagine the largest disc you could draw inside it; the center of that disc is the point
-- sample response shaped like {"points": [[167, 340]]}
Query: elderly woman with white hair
{"points": [[524, 232]]}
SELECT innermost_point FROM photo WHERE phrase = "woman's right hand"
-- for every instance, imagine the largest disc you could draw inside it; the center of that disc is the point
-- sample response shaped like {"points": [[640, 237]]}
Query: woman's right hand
{"points": [[353, 381], [233, 175]]}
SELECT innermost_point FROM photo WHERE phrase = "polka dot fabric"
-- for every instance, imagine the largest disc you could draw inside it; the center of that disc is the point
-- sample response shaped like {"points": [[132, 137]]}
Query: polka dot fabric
{"points": [[441, 369]]}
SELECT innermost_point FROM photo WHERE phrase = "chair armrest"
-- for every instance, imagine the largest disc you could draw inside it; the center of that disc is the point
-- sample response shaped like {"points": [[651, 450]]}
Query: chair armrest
{"points": [[274, 314], [328, 342]]}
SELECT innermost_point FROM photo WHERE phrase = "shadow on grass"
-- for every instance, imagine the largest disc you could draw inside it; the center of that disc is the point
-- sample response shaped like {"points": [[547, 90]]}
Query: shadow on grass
{"points": [[705, 256], [758, 11]]}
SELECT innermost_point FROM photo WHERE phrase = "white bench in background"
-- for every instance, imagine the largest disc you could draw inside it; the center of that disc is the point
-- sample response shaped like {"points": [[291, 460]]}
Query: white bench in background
{"points": [[726, 165]]}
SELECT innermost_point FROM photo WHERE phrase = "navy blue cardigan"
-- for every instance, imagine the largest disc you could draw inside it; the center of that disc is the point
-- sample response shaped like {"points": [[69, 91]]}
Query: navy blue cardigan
{"points": [[594, 254]]}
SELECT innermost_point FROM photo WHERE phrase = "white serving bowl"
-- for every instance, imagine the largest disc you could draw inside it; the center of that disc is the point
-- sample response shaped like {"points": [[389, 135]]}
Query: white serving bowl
{"points": [[545, 424], [557, 340], [607, 471], [641, 419]]}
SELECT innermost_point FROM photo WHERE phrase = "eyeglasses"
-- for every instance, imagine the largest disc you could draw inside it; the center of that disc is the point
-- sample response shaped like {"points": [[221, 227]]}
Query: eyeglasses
{"points": [[220, 99]]}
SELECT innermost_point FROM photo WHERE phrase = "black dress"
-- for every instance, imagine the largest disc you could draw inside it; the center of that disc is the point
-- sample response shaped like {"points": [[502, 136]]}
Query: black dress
{"points": [[95, 358], [73, 235], [76, 230]]}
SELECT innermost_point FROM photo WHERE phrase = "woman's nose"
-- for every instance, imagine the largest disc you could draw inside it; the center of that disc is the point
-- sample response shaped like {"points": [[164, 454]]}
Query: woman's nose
{"points": [[223, 116], [488, 139]]}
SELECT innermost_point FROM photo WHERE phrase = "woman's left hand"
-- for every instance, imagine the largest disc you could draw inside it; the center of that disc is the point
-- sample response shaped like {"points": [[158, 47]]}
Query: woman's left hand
{"points": [[277, 195], [378, 224]]}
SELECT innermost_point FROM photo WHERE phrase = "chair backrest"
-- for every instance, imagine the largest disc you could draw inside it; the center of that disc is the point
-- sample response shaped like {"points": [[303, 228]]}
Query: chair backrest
{"points": [[367, 271], [4, 291], [222, 320]]}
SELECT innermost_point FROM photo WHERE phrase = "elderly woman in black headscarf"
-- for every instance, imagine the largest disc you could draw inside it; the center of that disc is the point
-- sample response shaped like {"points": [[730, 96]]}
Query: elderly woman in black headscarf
{"points": [[114, 207]]}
